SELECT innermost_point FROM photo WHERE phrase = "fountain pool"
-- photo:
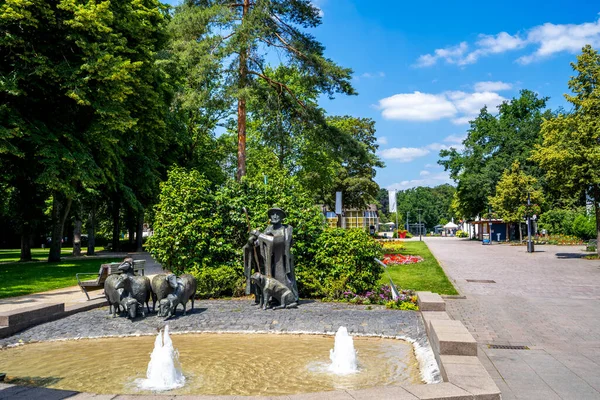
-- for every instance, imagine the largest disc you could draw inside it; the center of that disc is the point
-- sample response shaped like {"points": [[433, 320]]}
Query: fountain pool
{"points": [[213, 364]]}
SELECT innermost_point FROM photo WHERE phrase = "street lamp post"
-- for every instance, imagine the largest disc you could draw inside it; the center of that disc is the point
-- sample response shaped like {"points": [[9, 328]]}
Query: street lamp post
{"points": [[529, 241]]}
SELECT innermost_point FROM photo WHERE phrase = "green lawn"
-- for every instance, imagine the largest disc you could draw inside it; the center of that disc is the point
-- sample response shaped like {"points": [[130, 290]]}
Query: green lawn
{"points": [[426, 275], [33, 277], [12, 255]]}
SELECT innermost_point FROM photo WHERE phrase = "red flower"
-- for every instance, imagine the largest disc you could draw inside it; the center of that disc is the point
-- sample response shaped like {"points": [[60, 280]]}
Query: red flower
{"points": [[399, 259]]}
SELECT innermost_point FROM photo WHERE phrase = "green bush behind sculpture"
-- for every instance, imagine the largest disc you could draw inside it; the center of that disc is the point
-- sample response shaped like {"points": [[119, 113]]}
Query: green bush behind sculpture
{"points": [[200, 229], [343, 261]]}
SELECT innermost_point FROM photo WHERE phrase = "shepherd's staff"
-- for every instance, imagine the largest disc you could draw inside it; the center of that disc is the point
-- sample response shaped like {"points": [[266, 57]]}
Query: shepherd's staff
{"points": [[253, 247], [395, 293]]}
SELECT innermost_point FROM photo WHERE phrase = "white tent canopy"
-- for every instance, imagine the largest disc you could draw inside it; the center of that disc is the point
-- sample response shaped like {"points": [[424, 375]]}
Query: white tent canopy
{"points": [[450, 225]]}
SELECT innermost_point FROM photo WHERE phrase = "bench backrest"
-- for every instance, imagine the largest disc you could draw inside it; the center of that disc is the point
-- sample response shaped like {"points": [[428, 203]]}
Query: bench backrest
{"points": [[102, 274], [138, 265]]}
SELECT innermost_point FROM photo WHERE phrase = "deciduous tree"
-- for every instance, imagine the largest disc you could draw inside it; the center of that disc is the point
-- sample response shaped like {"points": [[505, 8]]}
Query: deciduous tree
{"points": [[570, 152]]}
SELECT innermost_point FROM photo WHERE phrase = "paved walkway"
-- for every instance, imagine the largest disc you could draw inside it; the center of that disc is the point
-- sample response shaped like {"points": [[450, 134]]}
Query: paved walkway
{"points": [[548, 301], [73, 295]]}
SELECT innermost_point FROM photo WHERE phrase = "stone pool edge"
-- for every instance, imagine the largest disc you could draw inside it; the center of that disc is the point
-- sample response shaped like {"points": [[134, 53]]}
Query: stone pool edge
{"points": [[454, 348]]}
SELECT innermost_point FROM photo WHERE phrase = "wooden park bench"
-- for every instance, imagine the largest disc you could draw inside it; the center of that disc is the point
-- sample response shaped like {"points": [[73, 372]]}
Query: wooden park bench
{"points": [[138, 267], [103, 273], [92, 284]]}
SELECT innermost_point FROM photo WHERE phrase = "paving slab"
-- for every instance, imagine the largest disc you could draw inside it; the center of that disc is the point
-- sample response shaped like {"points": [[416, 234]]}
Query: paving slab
{"points": [[428, 316], [548, 300], [439, 391], [469, 374], [93, 396], [382, 393], [452, 338], [428, 301]]}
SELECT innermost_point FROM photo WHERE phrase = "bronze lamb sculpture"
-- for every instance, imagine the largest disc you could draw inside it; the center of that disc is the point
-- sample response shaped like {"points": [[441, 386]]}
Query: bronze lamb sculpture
{"points": [[184, 289], [113, 295], [160, 289], [138, 288]]}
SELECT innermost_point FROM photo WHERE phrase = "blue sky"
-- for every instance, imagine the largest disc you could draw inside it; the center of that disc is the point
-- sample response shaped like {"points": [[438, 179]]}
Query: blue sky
{"points": [[423, 69]]}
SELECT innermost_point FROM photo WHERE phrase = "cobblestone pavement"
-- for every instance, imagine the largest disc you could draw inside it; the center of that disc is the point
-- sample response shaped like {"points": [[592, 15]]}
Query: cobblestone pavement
{"points": [[548, 301], [236, 315]]}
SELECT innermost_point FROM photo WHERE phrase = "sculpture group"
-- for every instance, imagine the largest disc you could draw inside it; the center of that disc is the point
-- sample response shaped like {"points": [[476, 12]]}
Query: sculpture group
{"points": [[127, 292], [269, 265]]}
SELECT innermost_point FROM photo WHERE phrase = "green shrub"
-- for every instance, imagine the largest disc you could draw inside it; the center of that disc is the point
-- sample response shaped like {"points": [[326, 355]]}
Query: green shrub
{"points": [[584, 227], [201, 229], [559, 221], [344, 260], [219, 281], [184, 225], [461, 234]]}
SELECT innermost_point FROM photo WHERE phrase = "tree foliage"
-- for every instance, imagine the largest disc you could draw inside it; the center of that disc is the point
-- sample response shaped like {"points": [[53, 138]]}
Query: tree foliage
{"points": [[434, 203], [570, 152], [492, 144], [249, 32], [511, 194]]}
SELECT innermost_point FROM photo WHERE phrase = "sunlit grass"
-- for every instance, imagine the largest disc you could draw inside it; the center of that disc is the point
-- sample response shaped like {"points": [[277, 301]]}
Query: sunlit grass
{"points": [[426, 275], [33, 277]]}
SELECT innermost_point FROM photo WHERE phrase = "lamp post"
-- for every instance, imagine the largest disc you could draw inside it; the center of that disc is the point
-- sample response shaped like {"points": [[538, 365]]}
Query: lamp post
{"points": [[419, 210], [529, 241]]}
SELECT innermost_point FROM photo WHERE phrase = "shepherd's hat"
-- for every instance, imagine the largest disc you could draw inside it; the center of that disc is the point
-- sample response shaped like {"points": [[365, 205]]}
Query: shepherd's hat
{"points": [[276, 210]]}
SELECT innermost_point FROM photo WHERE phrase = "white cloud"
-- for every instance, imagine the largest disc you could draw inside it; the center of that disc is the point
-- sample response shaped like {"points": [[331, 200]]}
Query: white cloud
{"points": [[424, 173], [463, 120], [370, 75], [408, 154], [548, 39], [429, 166], [403, 154], [553, 39], [489, 86], [458, 105], [382, 140], [455, 139], [417, 106], [429, 180], [452, 55], [436, 146], [471, 103]]}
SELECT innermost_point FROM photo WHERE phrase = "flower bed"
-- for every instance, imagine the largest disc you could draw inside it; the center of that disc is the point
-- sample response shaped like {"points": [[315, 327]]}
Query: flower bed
{"points": [[560, 240], [393, 247], [383, 296], [399, 259]]}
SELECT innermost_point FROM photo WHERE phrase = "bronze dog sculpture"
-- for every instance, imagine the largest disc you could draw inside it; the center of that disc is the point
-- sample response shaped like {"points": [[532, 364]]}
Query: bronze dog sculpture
{"points": [[272, 288]]}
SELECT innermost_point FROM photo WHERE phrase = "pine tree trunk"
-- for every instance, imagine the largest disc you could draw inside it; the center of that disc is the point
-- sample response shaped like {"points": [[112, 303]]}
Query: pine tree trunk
{"points": [[116, 224], [241, 167], [77, 237], [91, 229], [25, 243], [60, 211], [139, 232]]}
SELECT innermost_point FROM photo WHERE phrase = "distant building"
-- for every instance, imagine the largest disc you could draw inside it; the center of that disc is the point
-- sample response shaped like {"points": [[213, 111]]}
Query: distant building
{"points": [[354, 218]]}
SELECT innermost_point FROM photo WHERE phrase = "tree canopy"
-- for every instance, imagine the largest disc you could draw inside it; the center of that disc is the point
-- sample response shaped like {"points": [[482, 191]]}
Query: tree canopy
{"points": [[570, 152]]}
